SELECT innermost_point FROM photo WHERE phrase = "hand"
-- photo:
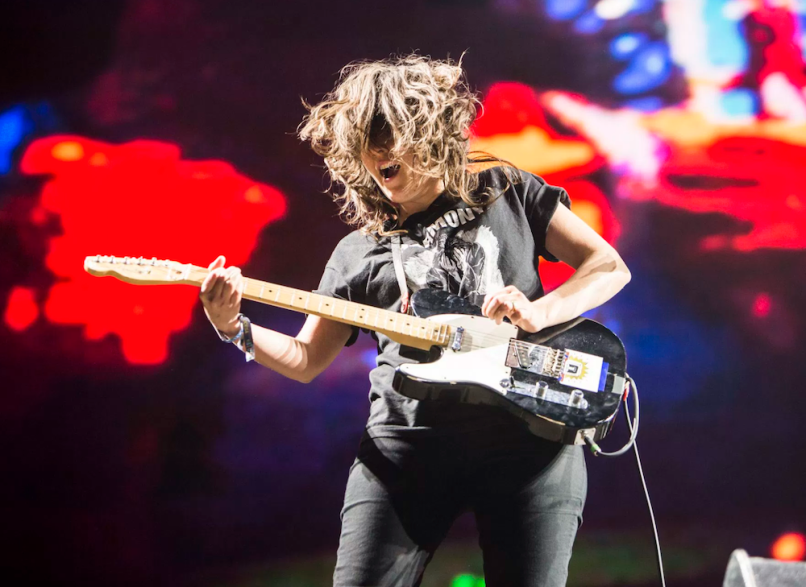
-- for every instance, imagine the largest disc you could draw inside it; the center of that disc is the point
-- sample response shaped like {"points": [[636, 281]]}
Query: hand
{"points": [[221, 294], [511, 303]]}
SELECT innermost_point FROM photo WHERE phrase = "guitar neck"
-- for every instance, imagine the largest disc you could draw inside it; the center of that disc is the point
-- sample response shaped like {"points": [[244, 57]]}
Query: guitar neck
{"points": [[402, 328]]}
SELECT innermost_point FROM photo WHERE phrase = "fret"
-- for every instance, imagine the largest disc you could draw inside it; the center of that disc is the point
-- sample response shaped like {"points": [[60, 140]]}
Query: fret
{"points": [[352, 313]]}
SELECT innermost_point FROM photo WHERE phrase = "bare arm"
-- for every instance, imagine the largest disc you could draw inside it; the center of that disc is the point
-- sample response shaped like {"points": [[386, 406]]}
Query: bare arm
{"points": [[305, 356], [599, 274], [301, 358]]}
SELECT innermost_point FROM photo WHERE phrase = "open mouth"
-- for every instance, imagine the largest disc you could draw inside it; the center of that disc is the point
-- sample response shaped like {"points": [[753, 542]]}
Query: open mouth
{"points": [[389, 170]]}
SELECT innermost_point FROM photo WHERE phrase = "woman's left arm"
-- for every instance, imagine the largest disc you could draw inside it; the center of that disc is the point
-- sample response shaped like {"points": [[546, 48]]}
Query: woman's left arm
{"points": [[599, 273]]}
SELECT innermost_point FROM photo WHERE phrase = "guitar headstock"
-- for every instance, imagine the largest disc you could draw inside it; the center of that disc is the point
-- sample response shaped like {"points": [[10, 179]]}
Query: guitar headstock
{"points": [[141, 271]]}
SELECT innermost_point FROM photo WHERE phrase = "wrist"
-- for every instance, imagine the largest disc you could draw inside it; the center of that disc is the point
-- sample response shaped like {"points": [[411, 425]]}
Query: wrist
{"points": [[242, 337], [539, 314], [232, 329]]}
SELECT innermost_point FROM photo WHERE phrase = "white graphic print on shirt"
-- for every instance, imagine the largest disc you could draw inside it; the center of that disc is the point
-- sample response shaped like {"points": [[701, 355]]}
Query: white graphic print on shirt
{"points": [[461, 261]]}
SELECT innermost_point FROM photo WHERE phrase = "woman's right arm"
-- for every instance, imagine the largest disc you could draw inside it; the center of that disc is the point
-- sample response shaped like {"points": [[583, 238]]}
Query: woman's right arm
{"points": [[301, 358]]}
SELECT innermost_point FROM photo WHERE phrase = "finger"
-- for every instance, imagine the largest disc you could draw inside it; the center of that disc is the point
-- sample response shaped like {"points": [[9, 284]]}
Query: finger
{"points": [[209, 284], [489, 305], [218, 285], [493, 303], [497, 310], [230, 276], [486, 304], [506, 308], [236, 285], [206, 285], [514, 313], [500, 294], [490, 301], [218, 262]]}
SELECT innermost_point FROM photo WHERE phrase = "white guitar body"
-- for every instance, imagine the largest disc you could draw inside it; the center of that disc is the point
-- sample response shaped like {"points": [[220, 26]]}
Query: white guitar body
{"points": [[479, 361]]}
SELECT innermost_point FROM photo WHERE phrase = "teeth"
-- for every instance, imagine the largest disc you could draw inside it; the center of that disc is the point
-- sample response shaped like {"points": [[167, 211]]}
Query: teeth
{"points": [[389, 170]]}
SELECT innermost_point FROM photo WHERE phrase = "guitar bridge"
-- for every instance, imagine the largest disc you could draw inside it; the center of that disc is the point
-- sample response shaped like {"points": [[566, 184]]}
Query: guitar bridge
{"points": [[536, 359]]}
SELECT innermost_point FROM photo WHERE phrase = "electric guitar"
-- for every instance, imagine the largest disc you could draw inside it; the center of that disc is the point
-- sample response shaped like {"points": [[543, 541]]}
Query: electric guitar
{"points": [[565, 382]]}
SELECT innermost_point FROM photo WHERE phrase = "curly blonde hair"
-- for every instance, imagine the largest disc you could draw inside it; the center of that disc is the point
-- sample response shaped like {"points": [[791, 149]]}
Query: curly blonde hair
{"points": [[410, 104]]}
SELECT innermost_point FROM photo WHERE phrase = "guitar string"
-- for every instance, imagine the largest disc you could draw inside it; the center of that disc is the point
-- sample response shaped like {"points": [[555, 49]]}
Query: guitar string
{"points": [[516, 344], [473, 332]]}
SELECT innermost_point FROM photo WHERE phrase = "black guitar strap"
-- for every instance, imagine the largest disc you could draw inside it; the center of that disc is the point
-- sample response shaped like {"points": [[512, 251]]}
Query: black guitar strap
{"points": [[401, 274]]}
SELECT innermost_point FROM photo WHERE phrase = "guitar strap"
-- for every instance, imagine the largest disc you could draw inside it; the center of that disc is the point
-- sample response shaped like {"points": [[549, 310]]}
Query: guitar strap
{"points": [[400, 273]]}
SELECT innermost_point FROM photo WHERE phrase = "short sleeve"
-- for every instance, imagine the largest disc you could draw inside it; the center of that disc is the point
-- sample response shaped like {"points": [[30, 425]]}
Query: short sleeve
{"points": [[334, 285], [540, 200]]}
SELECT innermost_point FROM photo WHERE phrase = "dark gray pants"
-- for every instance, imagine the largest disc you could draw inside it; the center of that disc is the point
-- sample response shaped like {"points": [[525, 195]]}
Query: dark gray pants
{"points": [[402, 496]]}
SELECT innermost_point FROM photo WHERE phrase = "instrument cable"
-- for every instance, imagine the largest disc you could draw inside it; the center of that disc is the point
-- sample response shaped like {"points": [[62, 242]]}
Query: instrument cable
{"points": [[633, 426]]}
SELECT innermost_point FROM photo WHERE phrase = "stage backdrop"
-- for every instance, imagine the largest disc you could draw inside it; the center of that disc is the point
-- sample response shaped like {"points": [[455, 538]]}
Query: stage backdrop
{"points": [[140, 450]]}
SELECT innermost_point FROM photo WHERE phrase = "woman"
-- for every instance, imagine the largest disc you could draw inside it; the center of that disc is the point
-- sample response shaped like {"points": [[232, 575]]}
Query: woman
{"points": [[394, 136]]}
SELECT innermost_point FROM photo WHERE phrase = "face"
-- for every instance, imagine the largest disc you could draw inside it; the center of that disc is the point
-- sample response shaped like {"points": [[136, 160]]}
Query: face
{"points": [[407, 189]]}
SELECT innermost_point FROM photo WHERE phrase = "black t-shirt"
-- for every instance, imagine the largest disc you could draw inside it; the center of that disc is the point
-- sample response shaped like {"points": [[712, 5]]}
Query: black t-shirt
{"points": [[466, 250]]}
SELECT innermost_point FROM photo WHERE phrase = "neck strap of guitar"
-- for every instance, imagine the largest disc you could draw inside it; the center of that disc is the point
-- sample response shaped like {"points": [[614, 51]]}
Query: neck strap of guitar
{"points": [[401, 274]]}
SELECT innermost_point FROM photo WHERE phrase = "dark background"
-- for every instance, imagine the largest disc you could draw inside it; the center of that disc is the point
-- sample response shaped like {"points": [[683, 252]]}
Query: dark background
{"points": [[204, 471]]}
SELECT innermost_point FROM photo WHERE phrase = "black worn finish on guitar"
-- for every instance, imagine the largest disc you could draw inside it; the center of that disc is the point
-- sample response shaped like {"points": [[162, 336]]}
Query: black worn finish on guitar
{"points": [[550, 409]]}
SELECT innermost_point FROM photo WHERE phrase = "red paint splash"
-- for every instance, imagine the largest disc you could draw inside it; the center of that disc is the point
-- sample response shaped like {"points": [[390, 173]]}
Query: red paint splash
{"points": [[138, 199], [509, 107], [756, 180], [755, 177], [21, 310]]}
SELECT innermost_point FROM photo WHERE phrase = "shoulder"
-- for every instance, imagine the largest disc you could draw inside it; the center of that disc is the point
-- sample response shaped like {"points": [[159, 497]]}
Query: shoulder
{"points": [[499, 175], [515, 185], [353, 247], [507, 178]]}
